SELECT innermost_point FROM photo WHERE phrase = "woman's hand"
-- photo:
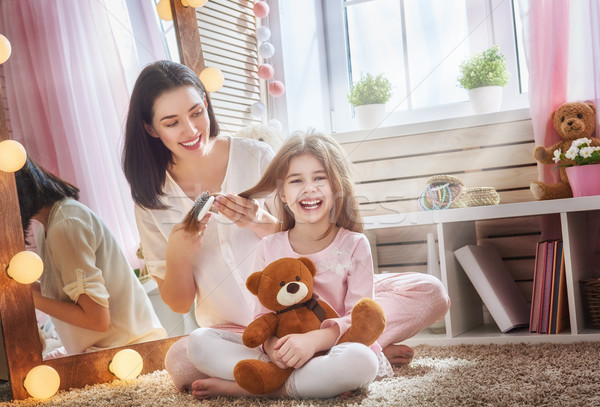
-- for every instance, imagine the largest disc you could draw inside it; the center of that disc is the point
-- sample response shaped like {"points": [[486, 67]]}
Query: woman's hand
{"points": [[181, 244], [246, 213]]}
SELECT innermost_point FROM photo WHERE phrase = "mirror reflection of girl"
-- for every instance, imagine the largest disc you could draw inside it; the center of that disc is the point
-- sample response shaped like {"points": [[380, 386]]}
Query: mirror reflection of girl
{"points": [[87, 287], [173, 152], [321, 221]]}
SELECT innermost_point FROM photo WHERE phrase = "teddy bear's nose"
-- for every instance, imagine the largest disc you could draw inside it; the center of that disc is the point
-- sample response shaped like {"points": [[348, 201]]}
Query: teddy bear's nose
{"points": [[570, 123], [292, 288]]}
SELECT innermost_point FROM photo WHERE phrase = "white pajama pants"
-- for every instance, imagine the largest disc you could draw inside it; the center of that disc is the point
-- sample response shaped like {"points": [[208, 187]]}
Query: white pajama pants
{"points": [[211, 352]]}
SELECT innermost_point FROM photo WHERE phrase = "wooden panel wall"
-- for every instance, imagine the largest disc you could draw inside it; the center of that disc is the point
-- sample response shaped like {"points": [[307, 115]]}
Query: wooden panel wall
{"points": [[391, 172]]}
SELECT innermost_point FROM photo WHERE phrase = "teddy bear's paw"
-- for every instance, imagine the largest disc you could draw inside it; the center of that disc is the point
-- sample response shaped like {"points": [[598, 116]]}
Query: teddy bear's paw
{"points": [[537, 190], [258, 377], [368, 322]]}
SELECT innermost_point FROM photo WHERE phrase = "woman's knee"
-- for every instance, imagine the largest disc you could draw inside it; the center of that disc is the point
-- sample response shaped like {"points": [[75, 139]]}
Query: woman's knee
{"points": [[358, 359], [198, 346], [439, 301]]}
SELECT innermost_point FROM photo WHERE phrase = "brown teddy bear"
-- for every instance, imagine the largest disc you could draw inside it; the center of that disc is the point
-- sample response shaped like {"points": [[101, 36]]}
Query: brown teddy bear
{"points": [[572, 121], [286, 287]]}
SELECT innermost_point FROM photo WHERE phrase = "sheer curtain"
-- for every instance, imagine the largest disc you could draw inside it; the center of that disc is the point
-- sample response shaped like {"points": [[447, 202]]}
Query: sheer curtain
{"points": [[67, 86], [562, 47]]}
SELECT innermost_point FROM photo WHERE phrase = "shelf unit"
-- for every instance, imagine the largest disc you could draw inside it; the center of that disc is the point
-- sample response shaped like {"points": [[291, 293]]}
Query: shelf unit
{"points": [[464, 323]]}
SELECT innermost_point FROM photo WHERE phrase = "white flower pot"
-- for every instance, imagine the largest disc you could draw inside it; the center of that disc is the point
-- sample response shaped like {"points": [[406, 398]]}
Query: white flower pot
{"points": [[369, 116], [486, 99]]}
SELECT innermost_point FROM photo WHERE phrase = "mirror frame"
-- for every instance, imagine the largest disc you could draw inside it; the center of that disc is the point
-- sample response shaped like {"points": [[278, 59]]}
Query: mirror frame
{"points": [[21, 337]]}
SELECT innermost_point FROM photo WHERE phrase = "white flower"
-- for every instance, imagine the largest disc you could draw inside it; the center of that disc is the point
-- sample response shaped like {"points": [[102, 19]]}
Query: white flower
{"points": [[586, 152], [557, 154], [580, 141], [572, 153]]}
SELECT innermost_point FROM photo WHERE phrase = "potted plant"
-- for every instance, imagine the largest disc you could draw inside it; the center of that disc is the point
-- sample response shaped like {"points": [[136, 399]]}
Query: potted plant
{"points": [[369, 96], [581, 166], [484, 75]]}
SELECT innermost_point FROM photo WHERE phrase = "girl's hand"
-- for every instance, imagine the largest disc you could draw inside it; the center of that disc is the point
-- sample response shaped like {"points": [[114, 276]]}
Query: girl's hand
{"points": [[295, 350], [182, 244]]}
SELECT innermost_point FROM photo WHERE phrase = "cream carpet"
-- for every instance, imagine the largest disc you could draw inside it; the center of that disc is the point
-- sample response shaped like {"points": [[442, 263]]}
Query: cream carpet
{"points": [[465, 375]]}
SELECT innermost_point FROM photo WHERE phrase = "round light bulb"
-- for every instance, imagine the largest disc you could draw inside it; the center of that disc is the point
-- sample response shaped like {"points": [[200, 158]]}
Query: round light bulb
{"points": [[212, 79], [163, 9], [276, 88], [25, 267], [266, 50], [12, 156], [258, 109], [42, 382], [126, 364], [265, 71], [261, 9], [263, 33], [196, 3], [5, 49], [184, 3]]}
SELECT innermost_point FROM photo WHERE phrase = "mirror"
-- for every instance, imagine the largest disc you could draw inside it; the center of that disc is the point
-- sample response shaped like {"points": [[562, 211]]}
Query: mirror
{"points": [[21, 338]]}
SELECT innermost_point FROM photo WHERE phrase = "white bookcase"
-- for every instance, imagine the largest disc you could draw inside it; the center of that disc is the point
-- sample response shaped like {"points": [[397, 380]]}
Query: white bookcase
{"points": [[455, 228]]}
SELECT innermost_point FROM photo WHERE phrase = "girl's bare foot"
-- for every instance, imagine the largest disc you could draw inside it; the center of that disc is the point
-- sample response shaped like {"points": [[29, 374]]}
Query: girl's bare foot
{"points": [[213, 387], [398, 355]]}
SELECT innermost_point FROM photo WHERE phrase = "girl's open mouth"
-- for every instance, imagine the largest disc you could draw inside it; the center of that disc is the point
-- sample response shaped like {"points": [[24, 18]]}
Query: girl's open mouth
{"points": [[310, 204]]}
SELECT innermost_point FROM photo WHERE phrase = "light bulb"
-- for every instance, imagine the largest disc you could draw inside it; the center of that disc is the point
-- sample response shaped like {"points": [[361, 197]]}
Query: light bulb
{"points": [[261, 9], [12, 156], [276, 88], [212, 79], [265, 71], [163, 9], [5, 49], [126, 364], [184, 3], [263, 33], [266, 50], [42, 382], [25, 267], [196, 3], [258, 109]]}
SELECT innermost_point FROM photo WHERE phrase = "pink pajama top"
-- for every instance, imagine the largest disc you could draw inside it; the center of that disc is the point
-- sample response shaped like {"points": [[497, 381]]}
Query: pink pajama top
{"points": [[344, 270]]}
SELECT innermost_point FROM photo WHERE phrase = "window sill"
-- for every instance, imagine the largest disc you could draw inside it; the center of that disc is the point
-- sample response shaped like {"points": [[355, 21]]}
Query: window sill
{"points": [[432, 126]]}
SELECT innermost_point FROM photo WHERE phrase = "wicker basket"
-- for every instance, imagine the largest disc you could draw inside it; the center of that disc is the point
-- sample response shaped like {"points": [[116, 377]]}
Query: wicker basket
{"points": [[591, 296], [447, 192]]}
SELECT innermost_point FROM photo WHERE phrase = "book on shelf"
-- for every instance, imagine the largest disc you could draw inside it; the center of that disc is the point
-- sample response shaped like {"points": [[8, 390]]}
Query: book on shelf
{"points": [[538, 275], [494, 284], [549, 308]]}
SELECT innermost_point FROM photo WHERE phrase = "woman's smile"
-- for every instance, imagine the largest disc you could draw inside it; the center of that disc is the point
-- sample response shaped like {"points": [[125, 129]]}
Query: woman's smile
{"points": [[192, 144]]}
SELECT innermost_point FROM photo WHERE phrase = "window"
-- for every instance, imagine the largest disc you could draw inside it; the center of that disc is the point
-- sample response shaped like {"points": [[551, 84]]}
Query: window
{"points": [[418, 45]]}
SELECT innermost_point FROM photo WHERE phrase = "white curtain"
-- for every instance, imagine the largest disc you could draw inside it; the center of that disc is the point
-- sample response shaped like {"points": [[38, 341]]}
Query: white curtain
{"points": [[67, 84]]}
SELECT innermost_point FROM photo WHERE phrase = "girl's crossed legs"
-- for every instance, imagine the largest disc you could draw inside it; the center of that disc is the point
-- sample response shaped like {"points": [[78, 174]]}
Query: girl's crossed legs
{"points": [[204, 362]]}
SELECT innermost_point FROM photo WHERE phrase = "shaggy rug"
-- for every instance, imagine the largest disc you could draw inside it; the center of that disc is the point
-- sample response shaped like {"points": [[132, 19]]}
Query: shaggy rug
{"points": [[463, 375]]}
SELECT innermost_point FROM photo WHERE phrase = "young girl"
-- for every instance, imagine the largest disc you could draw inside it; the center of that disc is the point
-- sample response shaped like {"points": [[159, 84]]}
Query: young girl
{"points": [[88, 287], [320, 221]]}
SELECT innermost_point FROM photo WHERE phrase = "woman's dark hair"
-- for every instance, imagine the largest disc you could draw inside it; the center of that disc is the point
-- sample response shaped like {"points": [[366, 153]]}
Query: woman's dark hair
{"points": [[145, 158], [37, 189]]}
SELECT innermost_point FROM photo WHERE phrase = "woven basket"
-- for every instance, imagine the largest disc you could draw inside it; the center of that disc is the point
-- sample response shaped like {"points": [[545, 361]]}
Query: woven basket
{"points": [[591, 297], [441, 193], [447, 192], [477, 196]]}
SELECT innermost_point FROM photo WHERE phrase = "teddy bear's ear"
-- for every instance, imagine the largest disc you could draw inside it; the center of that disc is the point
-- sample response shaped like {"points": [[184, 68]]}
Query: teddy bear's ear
{"points": [[252, 282], [309, 264], [591, 105]]}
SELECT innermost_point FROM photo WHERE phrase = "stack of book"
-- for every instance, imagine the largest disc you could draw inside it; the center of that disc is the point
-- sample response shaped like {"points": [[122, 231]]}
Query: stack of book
{"points": [[549, 305]]}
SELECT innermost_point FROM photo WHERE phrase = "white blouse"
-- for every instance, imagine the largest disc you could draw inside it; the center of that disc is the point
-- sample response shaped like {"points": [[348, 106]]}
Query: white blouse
{"points": [[81, 256], [226, 257]]}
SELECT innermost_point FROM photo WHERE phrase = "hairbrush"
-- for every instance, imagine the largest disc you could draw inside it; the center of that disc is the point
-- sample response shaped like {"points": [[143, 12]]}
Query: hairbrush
{"points": [[200, 208]]}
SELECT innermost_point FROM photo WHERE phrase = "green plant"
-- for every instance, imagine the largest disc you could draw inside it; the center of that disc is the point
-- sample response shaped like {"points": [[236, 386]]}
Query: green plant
{"points": [[487, 68], [370, 90]]}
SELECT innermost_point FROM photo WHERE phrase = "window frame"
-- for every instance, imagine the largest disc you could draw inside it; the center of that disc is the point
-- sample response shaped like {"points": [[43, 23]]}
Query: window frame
{"points": [[341, 113]]}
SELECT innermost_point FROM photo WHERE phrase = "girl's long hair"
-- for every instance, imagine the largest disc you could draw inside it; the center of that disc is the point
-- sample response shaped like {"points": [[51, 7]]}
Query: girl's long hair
{"points": [[145, 158], [37, 189], [344, 212]]}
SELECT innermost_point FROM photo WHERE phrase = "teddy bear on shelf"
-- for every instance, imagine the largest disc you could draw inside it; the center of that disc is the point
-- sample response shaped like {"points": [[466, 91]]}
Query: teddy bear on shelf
{"points": [[572, 121], [286, 288]]}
